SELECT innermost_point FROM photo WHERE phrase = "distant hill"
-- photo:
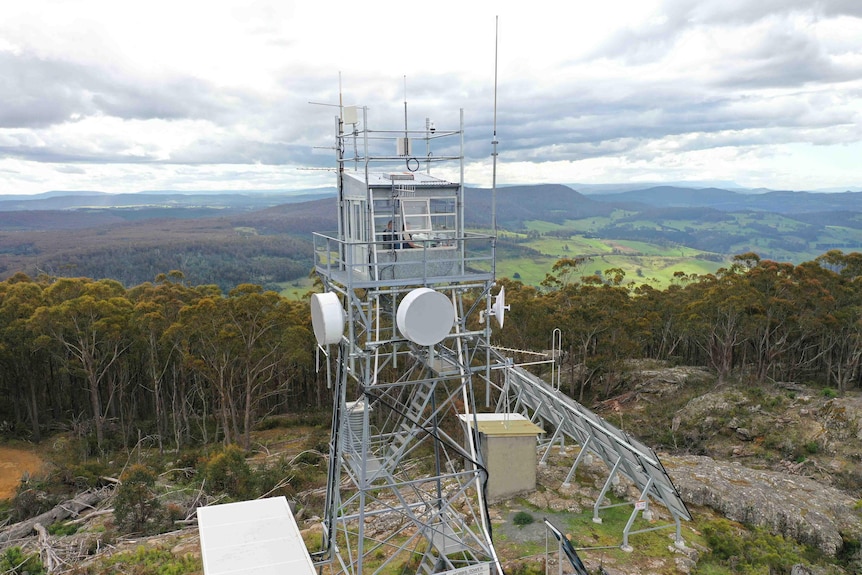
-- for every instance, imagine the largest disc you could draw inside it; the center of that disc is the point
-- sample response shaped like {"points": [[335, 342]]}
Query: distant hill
{"points": [[224, 247], [518, 204], [228, 200], [731, 201], [596, 189], [265, 238]]}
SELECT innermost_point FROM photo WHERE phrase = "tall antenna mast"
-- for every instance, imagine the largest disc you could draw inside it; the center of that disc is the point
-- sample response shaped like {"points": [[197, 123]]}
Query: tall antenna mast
{"points": [[405, 108], [494, 141]]}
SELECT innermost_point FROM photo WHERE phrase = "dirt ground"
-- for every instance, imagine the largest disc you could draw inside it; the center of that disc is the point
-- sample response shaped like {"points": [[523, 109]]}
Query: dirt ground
{"points": [[14, 463]]}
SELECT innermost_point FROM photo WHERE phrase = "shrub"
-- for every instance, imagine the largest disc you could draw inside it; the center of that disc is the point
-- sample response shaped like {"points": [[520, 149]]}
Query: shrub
{"points": [[84, 475], [62, 529], [30, 502], [228, 472], [751, 552], [522, 518], [13, 561], [137, 509]]}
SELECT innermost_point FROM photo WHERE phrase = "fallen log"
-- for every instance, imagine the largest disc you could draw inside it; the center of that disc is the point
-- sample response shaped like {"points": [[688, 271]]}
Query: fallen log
{"points": [[90, 516], [86, 500], [49, 557]]}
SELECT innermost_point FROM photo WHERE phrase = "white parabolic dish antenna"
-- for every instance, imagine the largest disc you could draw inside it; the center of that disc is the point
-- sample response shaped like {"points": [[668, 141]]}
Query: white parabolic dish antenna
{"points": [[425, 316], [500, 308], [327, 318]]}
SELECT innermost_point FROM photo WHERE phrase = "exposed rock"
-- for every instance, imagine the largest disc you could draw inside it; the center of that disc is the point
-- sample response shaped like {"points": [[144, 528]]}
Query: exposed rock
{"points": [[708, 406], [656, 378], [842, 417], [797, 507], [552, 501]]}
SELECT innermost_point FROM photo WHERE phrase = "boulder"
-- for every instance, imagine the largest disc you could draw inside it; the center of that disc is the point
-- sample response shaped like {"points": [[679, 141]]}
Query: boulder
{"points": [[797, 507]]}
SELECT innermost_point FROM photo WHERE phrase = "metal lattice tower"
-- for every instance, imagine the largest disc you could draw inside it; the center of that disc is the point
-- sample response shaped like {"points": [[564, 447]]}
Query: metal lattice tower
{"points": [[404, 324]]}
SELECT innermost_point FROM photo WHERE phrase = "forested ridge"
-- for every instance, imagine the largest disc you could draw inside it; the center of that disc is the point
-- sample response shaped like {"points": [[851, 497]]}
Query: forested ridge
{"points": [[265, 247], [758, 319], [185, 364], [189, 364]]}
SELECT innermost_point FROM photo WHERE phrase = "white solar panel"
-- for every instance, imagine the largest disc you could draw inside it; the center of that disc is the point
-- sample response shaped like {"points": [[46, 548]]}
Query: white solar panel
{"points": [[252, 537]]}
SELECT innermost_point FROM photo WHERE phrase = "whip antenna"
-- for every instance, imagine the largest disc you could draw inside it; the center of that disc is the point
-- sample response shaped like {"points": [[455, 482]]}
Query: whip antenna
{"points": [[494, 141], [405, 108]]}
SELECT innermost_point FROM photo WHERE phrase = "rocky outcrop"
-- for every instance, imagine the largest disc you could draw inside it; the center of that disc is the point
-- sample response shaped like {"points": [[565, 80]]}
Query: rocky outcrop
{"points": [[794, 506]]}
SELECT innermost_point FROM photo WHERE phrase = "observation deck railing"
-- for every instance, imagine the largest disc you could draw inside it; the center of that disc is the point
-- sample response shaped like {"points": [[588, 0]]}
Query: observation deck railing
{"points": [[432, 260]]}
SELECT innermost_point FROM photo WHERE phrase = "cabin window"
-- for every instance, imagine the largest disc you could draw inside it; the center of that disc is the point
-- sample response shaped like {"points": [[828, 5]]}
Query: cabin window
{"points": [[416, 216], [443, 215], [355, 221]]}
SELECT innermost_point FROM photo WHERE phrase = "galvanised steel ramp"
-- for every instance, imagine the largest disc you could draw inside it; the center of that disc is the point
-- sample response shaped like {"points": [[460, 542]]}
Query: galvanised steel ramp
{"points": [[564, 418]]}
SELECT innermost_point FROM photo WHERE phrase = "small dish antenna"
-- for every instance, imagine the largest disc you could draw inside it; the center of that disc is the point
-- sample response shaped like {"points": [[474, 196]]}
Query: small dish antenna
{"points": [[499, 307], [327, 318], [425, 316]]}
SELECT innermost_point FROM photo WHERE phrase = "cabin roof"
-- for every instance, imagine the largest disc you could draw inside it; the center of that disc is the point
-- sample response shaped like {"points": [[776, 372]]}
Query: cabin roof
{"points": [[406, 178]]}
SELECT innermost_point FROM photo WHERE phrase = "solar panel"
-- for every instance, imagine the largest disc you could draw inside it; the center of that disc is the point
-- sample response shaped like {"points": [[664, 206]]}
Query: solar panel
{"points": [[257, 537], [562, 415]]}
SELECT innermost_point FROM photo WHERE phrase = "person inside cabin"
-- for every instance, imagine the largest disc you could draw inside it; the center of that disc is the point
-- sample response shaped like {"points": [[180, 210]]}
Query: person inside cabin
{"points": [[389, 237], [408, 240]]}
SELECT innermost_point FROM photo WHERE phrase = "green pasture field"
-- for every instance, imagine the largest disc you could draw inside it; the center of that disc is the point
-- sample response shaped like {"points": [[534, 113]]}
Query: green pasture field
{"points": [[529, 254], [296, 289], [654, 270], [642, 262]]}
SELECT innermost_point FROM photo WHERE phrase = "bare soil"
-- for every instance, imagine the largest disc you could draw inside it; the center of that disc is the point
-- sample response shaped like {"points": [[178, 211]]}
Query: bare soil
{"points": [[14, 463]]}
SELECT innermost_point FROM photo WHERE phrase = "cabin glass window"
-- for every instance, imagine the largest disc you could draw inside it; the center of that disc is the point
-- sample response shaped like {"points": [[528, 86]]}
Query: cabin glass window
{"points": [[443, 214], [356, 220], [416, 216], [384, 213]]}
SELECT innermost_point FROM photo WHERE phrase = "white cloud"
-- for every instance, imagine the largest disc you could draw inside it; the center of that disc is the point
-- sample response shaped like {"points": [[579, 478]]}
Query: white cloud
{"points": [[105, 95]]}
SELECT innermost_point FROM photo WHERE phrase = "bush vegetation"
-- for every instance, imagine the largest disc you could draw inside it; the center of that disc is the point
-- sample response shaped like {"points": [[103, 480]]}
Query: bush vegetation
{"points": [[143, 560], [13, 561], [137, 508], [522, 518], [751, 551]]}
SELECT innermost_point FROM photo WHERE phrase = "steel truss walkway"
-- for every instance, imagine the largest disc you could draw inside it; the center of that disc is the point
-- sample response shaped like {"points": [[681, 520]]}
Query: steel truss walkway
{"points": [[563, 417]]}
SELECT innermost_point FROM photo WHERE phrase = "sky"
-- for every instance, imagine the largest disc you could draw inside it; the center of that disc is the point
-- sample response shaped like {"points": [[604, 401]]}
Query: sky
{"points": [[242, 94]]}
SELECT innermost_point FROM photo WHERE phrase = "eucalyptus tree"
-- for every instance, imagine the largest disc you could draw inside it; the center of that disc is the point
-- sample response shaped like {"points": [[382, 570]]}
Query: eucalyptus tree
{"points": [[593, 316], [527, 324], [157, 307], [88, 320], [24, 366], [258, 319], [235, 342], [715, 317], [842, 334], [773, 314], [657, 321], [209, 357]]}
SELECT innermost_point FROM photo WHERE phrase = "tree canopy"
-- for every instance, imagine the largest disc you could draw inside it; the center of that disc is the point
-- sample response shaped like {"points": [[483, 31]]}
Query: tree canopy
{"points": [[189, 363]]}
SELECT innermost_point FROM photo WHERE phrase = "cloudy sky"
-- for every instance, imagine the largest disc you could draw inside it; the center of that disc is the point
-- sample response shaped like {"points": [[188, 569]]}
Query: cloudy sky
{"points": [[187, 95]]}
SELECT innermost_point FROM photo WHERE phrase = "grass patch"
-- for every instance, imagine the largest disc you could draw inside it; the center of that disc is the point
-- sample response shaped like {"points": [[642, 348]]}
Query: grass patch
{"points": [[642, 262], [144, 561], [296, 289]]}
